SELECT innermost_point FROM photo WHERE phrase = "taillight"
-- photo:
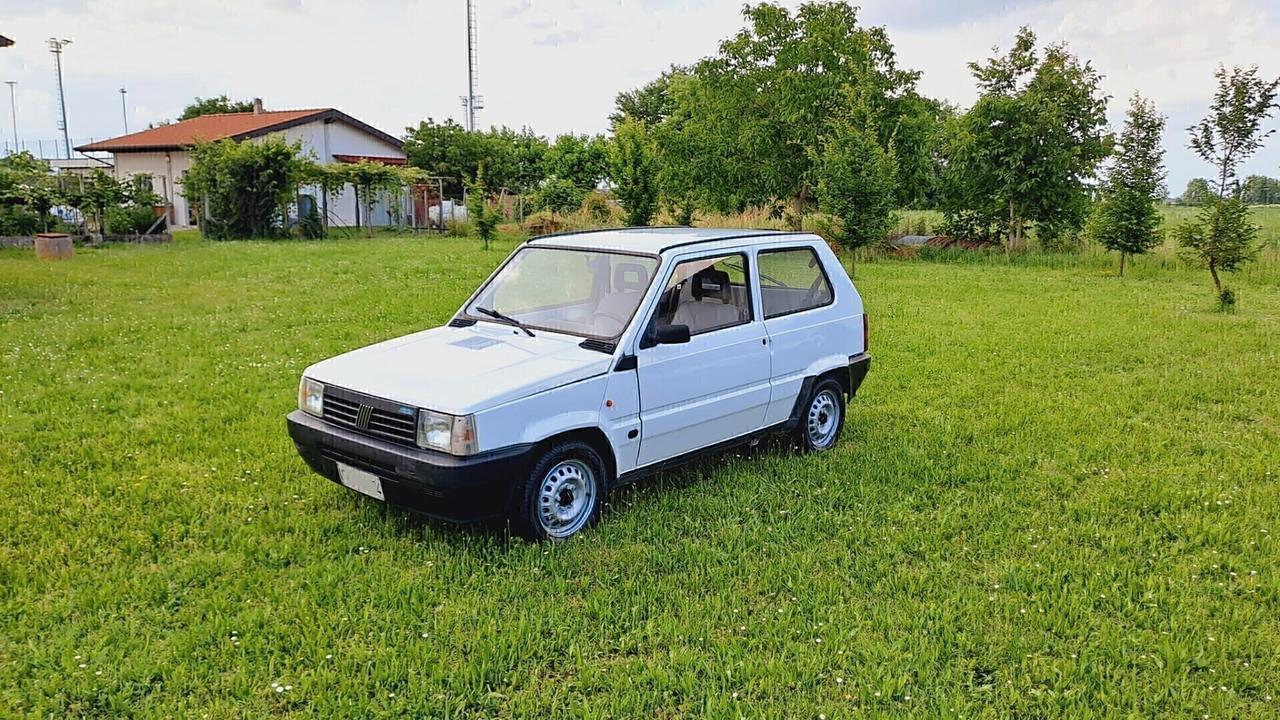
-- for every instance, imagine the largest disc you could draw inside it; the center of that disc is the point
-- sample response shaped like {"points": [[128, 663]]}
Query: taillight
{"points": [[866, 332]]}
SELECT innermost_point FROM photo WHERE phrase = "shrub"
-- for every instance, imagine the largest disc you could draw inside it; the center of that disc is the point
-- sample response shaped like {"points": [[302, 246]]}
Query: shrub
{"points": [[596, 208], [17, 220], [246, 185], [131, 220], [558, 196], [543, 223]]}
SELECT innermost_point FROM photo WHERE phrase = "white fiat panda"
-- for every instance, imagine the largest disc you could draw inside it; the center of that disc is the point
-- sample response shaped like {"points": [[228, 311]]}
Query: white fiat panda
{"points": [[588, 360]]}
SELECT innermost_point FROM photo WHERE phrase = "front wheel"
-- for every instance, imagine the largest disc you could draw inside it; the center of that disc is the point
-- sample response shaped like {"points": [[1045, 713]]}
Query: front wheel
{"points": [[822, 419], [562, 495]]}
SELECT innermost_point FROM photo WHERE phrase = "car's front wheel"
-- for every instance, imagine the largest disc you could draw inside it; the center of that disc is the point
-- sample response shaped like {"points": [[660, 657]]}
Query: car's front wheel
{"points": [[562, 495], [822, 419]]}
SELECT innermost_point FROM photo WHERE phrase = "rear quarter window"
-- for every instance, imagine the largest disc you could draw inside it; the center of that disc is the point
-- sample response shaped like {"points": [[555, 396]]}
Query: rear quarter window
{"points": [[792, 280]]}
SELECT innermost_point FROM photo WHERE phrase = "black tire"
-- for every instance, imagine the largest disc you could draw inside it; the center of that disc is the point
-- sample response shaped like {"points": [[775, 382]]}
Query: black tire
{"points": [[546, 505], [821, 417]]}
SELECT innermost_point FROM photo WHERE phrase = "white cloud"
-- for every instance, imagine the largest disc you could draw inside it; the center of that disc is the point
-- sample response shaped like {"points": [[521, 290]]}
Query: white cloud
{"points": [[556, 65]]}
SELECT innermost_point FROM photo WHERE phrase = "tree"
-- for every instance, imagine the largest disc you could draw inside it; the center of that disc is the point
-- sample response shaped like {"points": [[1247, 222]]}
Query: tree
{"points": [[28, 191], [1127, 219], [1198, 192], [857, 180], [753, 119], [244, 188], [651, 103], [371, 180], [633, 168], [581, 159], [484, 217], [1222, 236], [1260, 190], [98, 193], [559, 196], [446, 150], [1232, 131], [215, 106], [1024, 151]]}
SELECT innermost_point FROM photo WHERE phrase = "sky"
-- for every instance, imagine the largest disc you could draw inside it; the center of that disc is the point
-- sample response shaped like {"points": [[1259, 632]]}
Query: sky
{"points": [[556, 65]]}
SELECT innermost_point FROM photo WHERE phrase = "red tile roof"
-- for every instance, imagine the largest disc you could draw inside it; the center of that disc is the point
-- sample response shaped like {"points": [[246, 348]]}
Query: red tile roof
{"points": [[236, 126]]}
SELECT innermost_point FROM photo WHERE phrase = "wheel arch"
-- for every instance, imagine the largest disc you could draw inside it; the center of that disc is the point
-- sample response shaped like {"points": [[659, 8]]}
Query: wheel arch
{"points": [[592, 436]]}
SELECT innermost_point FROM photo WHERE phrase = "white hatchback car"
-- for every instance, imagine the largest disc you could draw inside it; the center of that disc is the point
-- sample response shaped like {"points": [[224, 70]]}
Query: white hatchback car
{"points": [[588, 360]]}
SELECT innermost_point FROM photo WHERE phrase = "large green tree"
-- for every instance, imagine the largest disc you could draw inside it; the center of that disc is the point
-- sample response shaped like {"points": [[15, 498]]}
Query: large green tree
{"points": [[753, 122], [1126, 219], [650, 103], [1197, 192], [215, 106], [857, 179], [1026, 150], [581, 159], [1260, 190], [633, 167]]}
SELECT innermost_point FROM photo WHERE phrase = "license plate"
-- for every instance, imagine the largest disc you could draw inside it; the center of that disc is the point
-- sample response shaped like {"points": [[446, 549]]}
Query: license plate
{"points": [[362, 482]]}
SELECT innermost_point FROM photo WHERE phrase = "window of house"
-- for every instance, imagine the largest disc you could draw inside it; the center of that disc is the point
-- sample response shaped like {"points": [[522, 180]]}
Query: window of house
{"points": [[706, 294], [791, 280]]}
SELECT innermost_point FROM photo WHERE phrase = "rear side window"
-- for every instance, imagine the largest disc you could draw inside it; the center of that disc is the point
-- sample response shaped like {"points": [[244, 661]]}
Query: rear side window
{"points": [[791, 280]]}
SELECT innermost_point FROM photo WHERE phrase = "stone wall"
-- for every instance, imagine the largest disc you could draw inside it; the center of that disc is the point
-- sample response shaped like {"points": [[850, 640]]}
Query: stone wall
{"points": [[26, 241]]}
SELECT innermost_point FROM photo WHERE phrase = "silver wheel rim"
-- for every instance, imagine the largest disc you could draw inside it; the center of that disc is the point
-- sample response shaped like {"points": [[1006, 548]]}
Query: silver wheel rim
{"points": [[823, 419], [566, 498]]}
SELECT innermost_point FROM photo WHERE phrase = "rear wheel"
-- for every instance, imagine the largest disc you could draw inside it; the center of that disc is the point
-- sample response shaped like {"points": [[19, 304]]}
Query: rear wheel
{"points": [[562, 495], [822, 418]]}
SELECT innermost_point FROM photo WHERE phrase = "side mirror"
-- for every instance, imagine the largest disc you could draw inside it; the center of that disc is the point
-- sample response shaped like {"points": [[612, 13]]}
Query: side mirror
{"points": [[671, 334]]}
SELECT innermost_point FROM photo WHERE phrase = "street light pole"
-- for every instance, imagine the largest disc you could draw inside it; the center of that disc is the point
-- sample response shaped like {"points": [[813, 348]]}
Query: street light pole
{"points": [[55, 47], [13, 110], [124, 110]]}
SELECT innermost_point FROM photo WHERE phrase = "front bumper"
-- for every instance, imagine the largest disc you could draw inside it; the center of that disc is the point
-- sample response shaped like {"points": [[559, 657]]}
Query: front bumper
{"points": [[460, 489]]}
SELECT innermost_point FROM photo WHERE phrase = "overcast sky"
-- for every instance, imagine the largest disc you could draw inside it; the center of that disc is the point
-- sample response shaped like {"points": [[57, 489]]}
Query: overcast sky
{"points": [[555, 65]]}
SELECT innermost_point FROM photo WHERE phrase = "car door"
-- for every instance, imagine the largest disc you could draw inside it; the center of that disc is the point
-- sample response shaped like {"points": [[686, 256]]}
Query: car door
{"points": [[794, 295], [716, 386]]}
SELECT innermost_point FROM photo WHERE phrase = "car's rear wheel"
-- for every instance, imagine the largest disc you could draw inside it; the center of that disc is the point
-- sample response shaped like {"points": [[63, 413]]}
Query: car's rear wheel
{"points": [[562, 495], [822, 418]]}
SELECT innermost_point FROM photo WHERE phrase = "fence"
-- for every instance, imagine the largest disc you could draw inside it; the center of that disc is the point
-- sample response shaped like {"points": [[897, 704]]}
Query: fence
{"points": [[44, 149]]}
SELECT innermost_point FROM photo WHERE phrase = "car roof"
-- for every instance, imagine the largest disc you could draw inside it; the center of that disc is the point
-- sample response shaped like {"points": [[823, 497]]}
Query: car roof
{"points": [[656, 240]]}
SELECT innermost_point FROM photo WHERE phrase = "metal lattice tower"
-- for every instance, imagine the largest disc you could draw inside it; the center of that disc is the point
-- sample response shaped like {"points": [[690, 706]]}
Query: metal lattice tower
{"points": [[472, 102], [55, 47]]}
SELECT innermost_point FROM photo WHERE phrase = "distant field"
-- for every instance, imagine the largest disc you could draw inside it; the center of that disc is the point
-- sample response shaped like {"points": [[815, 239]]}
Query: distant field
{"points": [[1266, 216], [1058, 495]]}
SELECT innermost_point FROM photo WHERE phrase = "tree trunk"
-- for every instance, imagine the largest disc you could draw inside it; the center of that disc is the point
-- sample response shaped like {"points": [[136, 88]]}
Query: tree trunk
{"points": [[797, 208], [1217, 282], [1122, 257]]}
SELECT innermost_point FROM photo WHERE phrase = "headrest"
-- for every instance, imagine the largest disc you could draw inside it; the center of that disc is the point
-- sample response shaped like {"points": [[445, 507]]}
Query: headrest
{"points": [[712, 283], [630, 277]]}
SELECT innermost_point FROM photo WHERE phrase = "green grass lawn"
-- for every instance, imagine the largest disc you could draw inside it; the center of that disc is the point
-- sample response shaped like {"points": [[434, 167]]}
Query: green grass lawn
{"points": [[1057, 495]]}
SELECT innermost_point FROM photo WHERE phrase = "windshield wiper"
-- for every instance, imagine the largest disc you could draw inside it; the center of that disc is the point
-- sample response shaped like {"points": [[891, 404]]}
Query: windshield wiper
{"points": [[505, 318]]}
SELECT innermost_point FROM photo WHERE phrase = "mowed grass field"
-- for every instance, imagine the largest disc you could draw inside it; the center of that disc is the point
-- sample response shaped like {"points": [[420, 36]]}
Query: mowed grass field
{"points": [[1058, 494]]}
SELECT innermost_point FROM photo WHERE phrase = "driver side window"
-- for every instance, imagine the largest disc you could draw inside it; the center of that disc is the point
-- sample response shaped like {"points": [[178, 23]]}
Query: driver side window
{"points": [[706, 294]]}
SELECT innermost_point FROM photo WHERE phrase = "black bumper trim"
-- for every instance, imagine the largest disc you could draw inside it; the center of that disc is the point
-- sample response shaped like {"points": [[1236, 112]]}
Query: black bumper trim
{"points": [[460, 489], [859, 365]]}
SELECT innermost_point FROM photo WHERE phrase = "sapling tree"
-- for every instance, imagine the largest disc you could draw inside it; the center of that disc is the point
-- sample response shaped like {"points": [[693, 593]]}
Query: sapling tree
{"points": [[633, 167], [1126, 220], [1222, 237], [484, 217]]}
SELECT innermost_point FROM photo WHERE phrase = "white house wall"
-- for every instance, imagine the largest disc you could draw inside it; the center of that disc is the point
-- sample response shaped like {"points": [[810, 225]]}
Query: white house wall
{"points": [[322, 141]]}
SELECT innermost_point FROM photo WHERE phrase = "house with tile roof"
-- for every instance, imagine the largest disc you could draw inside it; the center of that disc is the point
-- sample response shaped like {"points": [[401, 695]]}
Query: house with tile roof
{"points": [[327, 134]]}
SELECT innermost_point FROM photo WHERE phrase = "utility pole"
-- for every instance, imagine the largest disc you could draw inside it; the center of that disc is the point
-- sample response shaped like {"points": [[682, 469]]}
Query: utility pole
{"points": [[13, 110], [124, 110], [55, 47], [472, 102]]}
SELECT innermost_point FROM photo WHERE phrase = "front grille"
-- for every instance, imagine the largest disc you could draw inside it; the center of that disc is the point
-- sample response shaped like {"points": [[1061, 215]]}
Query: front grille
{"points": [[371, 416]]}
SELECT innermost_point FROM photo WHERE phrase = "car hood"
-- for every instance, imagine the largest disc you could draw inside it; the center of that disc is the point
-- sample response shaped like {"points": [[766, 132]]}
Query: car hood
{"points": [[462, 370]]}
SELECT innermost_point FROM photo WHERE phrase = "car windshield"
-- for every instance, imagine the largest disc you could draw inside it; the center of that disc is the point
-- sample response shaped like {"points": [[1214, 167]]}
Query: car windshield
{"points": [[580, 292]]}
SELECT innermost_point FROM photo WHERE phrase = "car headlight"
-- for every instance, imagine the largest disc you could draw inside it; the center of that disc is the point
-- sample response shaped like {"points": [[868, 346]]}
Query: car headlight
{"points": [[311, 397], [454, 434]]}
